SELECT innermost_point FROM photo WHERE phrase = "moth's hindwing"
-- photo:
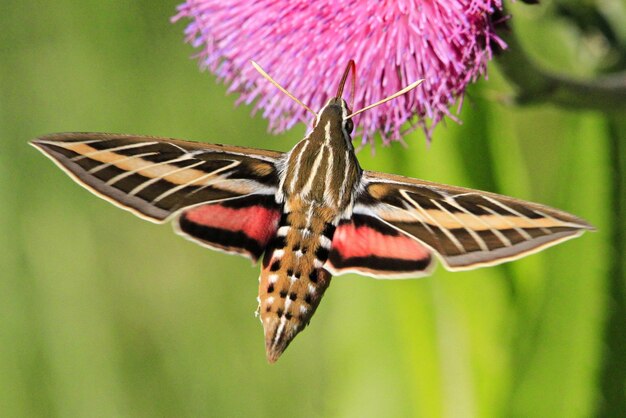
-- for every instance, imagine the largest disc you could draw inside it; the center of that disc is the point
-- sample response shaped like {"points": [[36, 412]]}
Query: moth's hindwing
{"points": [[366, 245], [156, 177], [466, 228], [238, 226]]}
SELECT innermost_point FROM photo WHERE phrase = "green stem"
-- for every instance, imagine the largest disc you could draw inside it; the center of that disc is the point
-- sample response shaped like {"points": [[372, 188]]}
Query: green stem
{"points": [[536, 85], [613, 369]]}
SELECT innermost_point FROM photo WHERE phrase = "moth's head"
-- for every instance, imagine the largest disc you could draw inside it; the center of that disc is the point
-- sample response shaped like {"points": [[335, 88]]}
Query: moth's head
{"points": [[336, 111]]}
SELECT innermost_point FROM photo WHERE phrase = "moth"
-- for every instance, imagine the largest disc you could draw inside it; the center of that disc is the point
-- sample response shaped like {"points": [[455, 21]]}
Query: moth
{"points": [[311, 212]]}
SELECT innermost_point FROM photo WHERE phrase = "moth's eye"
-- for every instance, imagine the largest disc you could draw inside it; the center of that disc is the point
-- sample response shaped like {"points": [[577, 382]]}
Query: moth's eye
{"points": [[349, 125]]}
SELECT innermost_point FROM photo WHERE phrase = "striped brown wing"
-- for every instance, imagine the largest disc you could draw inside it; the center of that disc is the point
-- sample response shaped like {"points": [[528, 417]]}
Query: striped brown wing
{"points": [[466, 228], [156, 177]]}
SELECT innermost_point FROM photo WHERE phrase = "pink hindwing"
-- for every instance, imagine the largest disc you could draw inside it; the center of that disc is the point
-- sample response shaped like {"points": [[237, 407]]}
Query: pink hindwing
{"points": [[368, 246], [238, 226]]}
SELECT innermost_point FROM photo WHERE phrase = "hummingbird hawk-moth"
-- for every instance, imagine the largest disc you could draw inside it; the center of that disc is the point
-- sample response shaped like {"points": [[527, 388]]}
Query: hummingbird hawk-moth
{"points": [[311, 213]]}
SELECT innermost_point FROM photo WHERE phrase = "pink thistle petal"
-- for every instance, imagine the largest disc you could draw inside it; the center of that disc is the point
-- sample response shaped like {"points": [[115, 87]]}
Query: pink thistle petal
{"points": [[305, 46]]}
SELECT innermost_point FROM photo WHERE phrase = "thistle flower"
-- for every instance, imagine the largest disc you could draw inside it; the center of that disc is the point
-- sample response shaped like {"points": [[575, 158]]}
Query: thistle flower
{"points": [[305, 45]]}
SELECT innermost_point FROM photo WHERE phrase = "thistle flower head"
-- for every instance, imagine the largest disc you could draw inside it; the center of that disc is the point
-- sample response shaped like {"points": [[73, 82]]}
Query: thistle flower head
{"points": [[305, 46]]}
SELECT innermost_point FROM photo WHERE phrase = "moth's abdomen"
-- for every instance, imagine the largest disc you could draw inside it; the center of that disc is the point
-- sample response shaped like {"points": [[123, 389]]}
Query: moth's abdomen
{"points": [[292, 280]]}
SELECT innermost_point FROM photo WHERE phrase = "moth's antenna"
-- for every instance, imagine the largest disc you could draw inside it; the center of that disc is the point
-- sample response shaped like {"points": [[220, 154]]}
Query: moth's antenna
{"points": [[393, 96], [281, 88]]}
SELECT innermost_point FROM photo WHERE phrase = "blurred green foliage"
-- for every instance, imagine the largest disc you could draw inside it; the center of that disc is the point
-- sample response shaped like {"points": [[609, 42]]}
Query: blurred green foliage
{"points": [[102, 314]]}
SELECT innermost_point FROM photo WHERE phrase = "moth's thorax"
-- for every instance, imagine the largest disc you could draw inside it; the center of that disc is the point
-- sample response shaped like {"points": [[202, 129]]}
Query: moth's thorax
{"points": [[322, 168]]}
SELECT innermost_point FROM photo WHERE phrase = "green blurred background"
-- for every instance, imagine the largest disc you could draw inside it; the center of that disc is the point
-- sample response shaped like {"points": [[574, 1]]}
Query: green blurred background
{"points": [[103, 314]]}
